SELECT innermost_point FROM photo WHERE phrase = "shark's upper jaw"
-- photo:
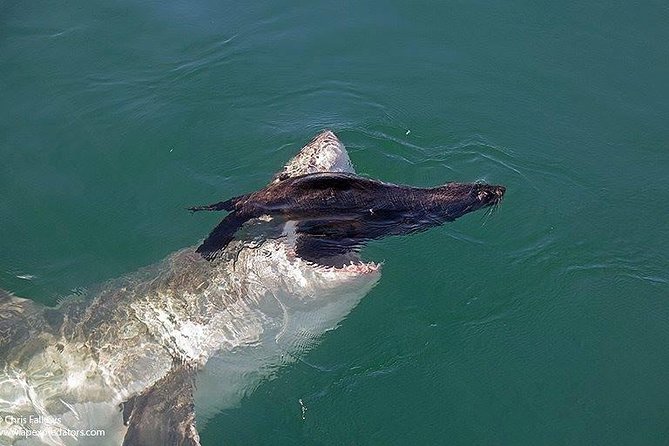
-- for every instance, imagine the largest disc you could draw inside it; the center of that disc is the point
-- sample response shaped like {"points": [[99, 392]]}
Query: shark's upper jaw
{"points": [[324, 153]]}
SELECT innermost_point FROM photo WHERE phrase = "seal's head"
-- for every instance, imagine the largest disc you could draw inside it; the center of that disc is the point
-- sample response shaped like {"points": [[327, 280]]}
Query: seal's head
{"points": [[454, 200]]}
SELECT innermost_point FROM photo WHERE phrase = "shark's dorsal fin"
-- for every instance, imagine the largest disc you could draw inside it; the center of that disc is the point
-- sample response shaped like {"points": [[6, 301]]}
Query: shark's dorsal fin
{"points": [[324, 153], [164, 414]]}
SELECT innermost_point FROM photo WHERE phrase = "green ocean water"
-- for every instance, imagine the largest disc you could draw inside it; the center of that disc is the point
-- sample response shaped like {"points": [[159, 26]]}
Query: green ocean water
{"points": [[545, 324]]}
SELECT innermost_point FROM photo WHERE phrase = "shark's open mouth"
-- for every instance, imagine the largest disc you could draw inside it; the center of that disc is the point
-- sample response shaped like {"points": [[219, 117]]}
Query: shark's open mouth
{"points": [[353, 267]]}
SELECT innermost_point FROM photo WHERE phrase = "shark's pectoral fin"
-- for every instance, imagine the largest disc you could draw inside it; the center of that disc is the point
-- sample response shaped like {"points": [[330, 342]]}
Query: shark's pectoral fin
{"points": [[20, 320], [222, 234], [164, 414]]}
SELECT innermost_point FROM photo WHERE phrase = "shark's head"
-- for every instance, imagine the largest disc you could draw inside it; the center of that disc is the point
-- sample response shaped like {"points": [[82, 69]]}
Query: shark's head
{"points": [[324, 153], [303, 282], [306, 299], [313, 293], [276, 259]]}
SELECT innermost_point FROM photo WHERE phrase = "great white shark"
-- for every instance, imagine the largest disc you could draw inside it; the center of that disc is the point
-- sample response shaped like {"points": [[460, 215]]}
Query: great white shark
{"points": [[131, 364]]}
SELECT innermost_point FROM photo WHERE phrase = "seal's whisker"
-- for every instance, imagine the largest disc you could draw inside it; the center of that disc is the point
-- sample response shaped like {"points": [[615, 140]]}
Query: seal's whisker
{"points": [[486, 215]]}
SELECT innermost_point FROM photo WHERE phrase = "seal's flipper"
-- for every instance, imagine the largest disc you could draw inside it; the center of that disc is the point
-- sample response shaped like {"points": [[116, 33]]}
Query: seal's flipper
{"points": [[222, 234], [227, 205], [164, 414], [326, 251]]}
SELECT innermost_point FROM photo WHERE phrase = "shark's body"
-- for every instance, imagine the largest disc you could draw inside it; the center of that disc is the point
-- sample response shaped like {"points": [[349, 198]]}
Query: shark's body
{"points": [[120, 368]]}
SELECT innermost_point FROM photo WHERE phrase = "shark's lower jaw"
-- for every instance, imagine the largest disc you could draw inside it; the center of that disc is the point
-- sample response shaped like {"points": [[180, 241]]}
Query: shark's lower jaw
{"points": [[352, 268], [360, 268], [345, 263]]}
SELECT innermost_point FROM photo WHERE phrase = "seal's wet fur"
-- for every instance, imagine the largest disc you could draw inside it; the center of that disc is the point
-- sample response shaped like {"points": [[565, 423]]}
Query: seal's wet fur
{"points": [[335, 212]]}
